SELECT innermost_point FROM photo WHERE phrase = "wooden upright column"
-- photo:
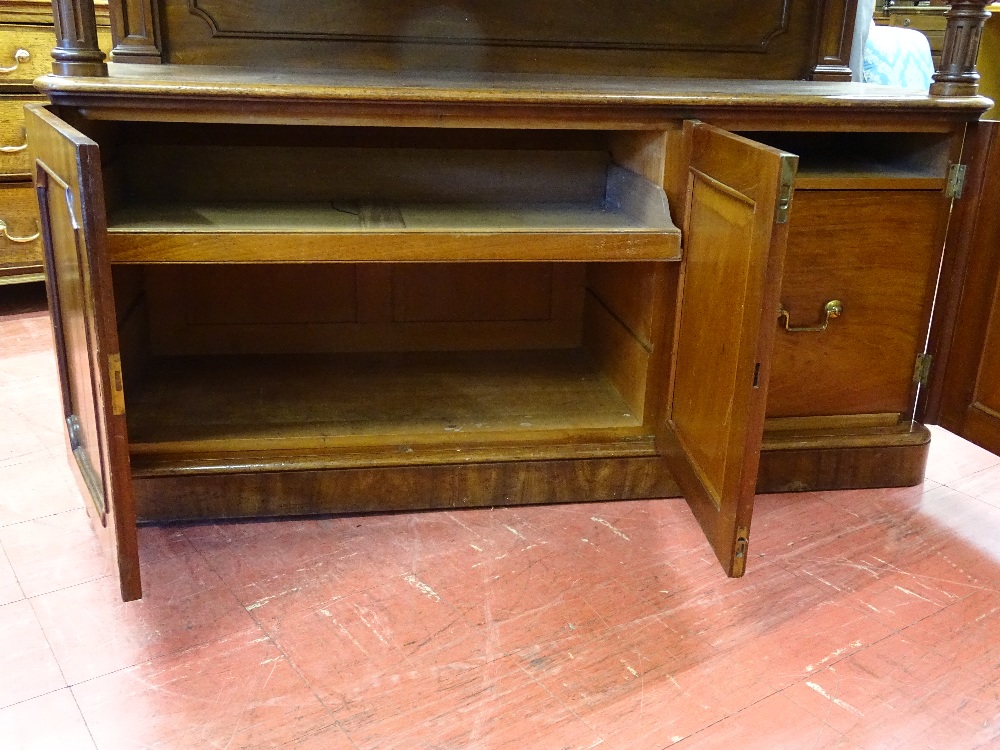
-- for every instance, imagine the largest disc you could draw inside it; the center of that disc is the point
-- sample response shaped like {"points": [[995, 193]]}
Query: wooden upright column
{"points": [[836, 35], [958, 76], [77, 52]]}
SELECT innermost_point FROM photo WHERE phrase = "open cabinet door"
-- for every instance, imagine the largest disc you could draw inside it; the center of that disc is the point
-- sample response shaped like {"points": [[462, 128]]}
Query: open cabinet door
{"points": [[964, 390], [71, 203], [735, 228]]}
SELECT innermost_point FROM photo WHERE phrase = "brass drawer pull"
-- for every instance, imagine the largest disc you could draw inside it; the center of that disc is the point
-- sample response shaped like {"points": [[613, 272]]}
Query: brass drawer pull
{"points": [[833, 309], [20, 56], [14, 149], [7, 236]]}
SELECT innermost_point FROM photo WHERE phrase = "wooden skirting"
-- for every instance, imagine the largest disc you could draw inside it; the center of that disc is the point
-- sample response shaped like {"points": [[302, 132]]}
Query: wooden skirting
{"points": [[889, 460], [399, 488], [898, 461]]}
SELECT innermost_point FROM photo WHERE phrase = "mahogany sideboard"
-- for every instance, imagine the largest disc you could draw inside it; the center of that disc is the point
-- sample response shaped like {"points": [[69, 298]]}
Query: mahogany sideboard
{"points": [[362, 283]]}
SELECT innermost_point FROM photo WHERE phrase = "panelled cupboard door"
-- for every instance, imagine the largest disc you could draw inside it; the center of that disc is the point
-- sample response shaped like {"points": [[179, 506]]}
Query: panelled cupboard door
{"points": [[67, 169], [964, 392], [735, 228]]}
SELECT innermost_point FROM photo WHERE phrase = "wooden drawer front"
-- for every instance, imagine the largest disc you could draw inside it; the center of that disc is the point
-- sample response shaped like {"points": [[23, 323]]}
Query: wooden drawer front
{"points": [[19, 213], [877, 252], [931, 25], [13, 148], [36, 41]]}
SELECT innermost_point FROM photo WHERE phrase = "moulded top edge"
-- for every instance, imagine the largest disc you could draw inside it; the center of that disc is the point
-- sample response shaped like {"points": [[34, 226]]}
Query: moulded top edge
{"points": [[135, 82]]}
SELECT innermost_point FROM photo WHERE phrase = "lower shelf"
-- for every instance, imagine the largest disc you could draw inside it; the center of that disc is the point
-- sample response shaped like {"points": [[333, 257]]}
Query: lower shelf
{"points": [[266, 413]]}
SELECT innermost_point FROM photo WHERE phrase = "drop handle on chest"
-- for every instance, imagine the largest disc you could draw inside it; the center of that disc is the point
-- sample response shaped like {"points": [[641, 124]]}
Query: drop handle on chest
{"points": [[832, 309]]}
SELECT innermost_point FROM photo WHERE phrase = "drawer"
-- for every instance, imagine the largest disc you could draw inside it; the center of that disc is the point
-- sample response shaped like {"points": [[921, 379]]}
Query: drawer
{"points": [[19, 241], [13, 148], [877, 252], [920, 21], [932, 26], [25, 53]]}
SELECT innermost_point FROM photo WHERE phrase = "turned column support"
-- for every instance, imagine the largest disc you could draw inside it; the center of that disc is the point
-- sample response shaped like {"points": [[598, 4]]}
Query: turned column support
{"points": [[957, 75], [77, 52]]}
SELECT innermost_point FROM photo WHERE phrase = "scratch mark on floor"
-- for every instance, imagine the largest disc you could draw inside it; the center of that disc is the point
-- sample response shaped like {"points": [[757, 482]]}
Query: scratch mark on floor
{"points": [[261, 602], [836, 701], [370, 624], [823, 580], [467, 528], [515, 532], [986, 614], [617, 532], [834, 655], [914, 594], [351, 638], [422, 587]]}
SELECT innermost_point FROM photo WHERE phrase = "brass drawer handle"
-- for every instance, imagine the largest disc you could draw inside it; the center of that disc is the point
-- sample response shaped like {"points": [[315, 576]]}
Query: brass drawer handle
{"points": [[20, 56], [7, 236], [14, 149], [833, 309]]}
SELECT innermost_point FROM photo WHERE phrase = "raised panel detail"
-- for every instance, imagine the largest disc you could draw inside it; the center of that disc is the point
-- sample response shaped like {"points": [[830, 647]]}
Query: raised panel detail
{"points": [[660, 25]]}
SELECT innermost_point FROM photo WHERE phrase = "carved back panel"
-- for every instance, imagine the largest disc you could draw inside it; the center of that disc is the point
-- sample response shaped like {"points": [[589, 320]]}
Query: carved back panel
{"points": [[777, 39]]}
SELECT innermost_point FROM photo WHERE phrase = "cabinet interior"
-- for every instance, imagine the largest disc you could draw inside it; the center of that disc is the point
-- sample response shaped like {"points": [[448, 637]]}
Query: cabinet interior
{"points": [[222, 193], [864, 160], [268, 318], [320, 365]]}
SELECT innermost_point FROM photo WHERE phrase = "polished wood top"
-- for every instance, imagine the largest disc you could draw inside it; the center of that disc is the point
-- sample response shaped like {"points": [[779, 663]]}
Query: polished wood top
{"points": [[131, 90]]}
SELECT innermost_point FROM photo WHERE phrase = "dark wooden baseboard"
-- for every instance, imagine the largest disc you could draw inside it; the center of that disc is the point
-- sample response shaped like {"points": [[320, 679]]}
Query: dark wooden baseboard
{"points": [[891, 460], [888, 460], [400, 488]]}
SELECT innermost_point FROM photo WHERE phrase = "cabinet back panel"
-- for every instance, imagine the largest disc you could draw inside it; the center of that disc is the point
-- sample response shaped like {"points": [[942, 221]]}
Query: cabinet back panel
{"points": [[246, 173], [513, 291], [235, 309]]}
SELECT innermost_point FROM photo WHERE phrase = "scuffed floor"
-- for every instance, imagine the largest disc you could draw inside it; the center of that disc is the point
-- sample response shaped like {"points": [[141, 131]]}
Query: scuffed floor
{"points": [[866, 620]]}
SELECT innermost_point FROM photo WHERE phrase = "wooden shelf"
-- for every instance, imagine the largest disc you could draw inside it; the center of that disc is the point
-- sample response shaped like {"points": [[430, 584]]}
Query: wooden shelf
{"points": [[856, 176], [352, 232], [313, 411]]}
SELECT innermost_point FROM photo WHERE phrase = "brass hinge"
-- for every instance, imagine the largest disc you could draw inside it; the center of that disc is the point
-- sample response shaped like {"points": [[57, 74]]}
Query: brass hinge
{"points": [[740, 551], [956, 181], [922, 369], [784, 207], [117, 387]]}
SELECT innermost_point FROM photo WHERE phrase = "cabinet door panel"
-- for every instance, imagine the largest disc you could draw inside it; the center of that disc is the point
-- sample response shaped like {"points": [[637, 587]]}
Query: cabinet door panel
{"points": [[964, 392], [733, 255], [71, 206]]}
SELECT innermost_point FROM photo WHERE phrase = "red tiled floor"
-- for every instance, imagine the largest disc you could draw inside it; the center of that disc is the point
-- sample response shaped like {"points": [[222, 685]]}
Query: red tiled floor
{"points": [[44, 723], [867, 620], [493, 705], [184, 605], [10, 589], [236, 692], [954, 458], [984, 485], [775, 723], [28, 667], [53, 552], [35, 488]]}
